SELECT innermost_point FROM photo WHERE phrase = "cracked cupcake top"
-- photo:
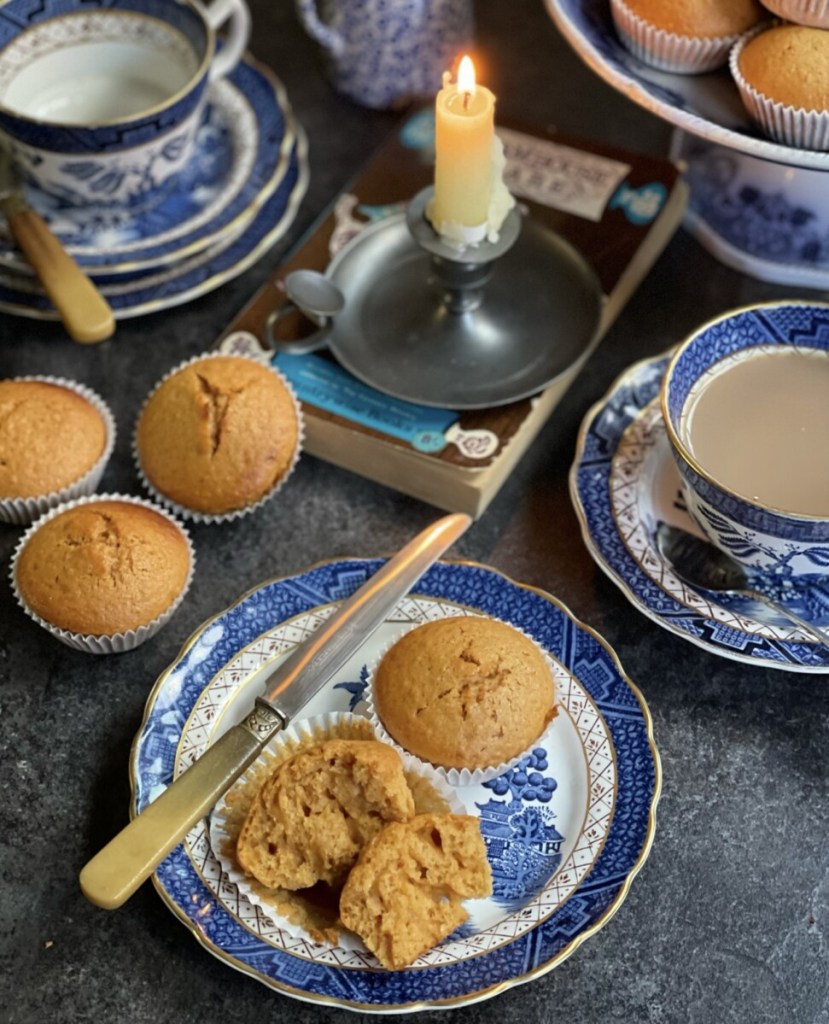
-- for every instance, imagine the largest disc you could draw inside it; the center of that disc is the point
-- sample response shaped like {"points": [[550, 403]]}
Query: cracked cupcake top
{"points": [[218, 434], [464, 692]]}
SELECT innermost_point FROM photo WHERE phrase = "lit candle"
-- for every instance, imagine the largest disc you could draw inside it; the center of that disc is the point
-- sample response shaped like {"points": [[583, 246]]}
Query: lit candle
{"points": [[469, 193]]}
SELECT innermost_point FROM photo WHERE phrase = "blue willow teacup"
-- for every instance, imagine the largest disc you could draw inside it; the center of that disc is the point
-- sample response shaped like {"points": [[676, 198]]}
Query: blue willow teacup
{"points": [[382, 54], [100, 103], [744, 400]]}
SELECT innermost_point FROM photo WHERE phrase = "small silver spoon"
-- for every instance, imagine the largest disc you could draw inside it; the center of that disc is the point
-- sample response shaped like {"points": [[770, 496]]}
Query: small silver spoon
{"points": [[700, 564], [317, 298]]}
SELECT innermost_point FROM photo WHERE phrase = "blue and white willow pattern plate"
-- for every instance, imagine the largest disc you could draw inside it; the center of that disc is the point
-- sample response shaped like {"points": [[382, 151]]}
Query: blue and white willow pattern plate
{"points": [[622, 483], [704, 105], [242, 152], [566, 831], [132, 295]]}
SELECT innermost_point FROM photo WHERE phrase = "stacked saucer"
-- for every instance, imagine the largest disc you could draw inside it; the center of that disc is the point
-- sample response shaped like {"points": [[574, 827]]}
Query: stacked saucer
{"points": [[235, 199]]}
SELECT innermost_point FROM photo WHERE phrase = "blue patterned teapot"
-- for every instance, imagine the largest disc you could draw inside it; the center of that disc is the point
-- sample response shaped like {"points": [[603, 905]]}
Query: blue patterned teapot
{"points": [[384, 53]]}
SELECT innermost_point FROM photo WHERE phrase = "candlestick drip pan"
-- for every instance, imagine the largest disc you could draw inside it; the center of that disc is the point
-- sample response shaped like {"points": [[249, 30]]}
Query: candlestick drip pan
{"points": [[533, 312]]}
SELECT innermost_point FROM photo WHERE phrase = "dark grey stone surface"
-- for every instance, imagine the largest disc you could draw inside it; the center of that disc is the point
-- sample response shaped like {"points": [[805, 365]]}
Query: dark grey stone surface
{"points": [[728, 920]]}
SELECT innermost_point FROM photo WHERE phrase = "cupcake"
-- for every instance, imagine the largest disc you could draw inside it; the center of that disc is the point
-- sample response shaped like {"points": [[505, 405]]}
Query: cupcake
{"points": [[56, 437], [103, 573], [218, 436], [468, 695], [689, 37], [782, 75], [342, 815], [801, 12]]}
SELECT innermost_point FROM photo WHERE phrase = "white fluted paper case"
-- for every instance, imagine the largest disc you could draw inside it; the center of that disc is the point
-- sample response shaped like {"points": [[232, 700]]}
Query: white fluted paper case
{"points": [[667, 51], [455, 776], [287, 913], [111, 643], [22, 511], [790, 126]]}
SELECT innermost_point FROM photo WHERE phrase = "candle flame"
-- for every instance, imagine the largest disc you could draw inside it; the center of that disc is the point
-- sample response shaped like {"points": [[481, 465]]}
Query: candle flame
{"points": [[466, 76]]}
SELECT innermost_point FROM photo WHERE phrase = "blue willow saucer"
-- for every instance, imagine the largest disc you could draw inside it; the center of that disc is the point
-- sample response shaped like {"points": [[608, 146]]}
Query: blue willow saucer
{"points": [[566, 830], [623, 482], [142, 293], [242, 152]]}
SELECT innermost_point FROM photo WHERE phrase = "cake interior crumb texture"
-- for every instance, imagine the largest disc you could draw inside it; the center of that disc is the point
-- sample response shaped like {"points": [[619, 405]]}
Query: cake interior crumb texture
{"points": [[314, 814], [404, 894]]}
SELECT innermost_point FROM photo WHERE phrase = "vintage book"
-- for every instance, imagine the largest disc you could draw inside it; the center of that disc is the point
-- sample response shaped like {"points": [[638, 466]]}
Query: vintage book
{"points": [[617, 208]]}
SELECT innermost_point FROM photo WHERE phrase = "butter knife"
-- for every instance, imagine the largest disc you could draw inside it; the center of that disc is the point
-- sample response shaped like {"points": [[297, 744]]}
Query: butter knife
{"points": [[113, 874], [85, 313]]}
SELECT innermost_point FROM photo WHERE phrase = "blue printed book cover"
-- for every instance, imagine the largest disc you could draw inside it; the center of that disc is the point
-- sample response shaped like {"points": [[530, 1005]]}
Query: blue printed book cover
{"points": [[617, 209]]}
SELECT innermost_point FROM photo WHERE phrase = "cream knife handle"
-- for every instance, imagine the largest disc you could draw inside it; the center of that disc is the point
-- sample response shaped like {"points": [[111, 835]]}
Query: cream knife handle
{"points": [[84, 311], [113, 874]]}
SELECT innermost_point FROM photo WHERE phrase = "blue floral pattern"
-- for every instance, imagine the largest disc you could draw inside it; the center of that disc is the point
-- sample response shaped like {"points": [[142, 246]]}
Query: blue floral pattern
{"points": [[517, 811], [137, 293], [704, 105], [718, 623], [781, 546], [247, 123]]}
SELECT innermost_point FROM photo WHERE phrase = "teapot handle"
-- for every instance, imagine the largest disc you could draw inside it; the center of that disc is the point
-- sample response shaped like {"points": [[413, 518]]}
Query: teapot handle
{"points": [[325, 35]]}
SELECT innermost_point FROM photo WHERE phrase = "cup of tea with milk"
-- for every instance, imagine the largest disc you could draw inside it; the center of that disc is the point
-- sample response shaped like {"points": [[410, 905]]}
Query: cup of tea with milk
{"points": [[100, 102], [745, 401]]}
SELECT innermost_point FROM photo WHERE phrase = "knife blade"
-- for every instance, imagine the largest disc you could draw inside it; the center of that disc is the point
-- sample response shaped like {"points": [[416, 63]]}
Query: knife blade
{"points": [[114, 874], [85, 313]]}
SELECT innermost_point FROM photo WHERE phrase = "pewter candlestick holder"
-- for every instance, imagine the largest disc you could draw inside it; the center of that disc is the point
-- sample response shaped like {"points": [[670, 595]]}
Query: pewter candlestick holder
{"points": [[461, 328]]}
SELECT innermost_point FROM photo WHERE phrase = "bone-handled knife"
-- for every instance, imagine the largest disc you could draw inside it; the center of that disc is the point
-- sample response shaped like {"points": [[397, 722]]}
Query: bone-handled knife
{"points": [[113, 875]]}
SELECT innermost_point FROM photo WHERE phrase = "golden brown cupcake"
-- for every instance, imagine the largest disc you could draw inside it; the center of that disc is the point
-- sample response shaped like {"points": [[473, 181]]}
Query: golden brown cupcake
{"points": [[305, 913], [801, 12], [218, 436], [312, 817], [103, 573], [404, 894], [782, 75], [464, 693], [55, 439], [689, 37]]}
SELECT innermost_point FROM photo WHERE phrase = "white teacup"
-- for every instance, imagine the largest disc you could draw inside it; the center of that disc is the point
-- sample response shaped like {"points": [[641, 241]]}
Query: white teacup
{"points": [[100, 104]]}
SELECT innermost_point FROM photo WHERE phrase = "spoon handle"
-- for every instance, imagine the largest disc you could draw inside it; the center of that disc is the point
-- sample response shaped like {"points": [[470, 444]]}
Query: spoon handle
{"points": [[808, 629]]}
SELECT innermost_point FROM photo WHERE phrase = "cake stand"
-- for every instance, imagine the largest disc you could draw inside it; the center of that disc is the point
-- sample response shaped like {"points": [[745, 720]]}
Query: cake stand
{"points": [[758, 206]]}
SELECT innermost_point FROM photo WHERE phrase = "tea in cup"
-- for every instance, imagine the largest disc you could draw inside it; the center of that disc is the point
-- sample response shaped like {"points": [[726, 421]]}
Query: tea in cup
{"points": [[383, 54], [100, 104], [745, 401]]}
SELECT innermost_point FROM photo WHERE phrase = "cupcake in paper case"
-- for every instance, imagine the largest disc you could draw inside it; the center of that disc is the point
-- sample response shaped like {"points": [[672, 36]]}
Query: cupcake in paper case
{"points": [[467, 697], [290, 829], [814, 13], [782, 74], [218, 437], [103, 573], [691, 37], [56, 437]]}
